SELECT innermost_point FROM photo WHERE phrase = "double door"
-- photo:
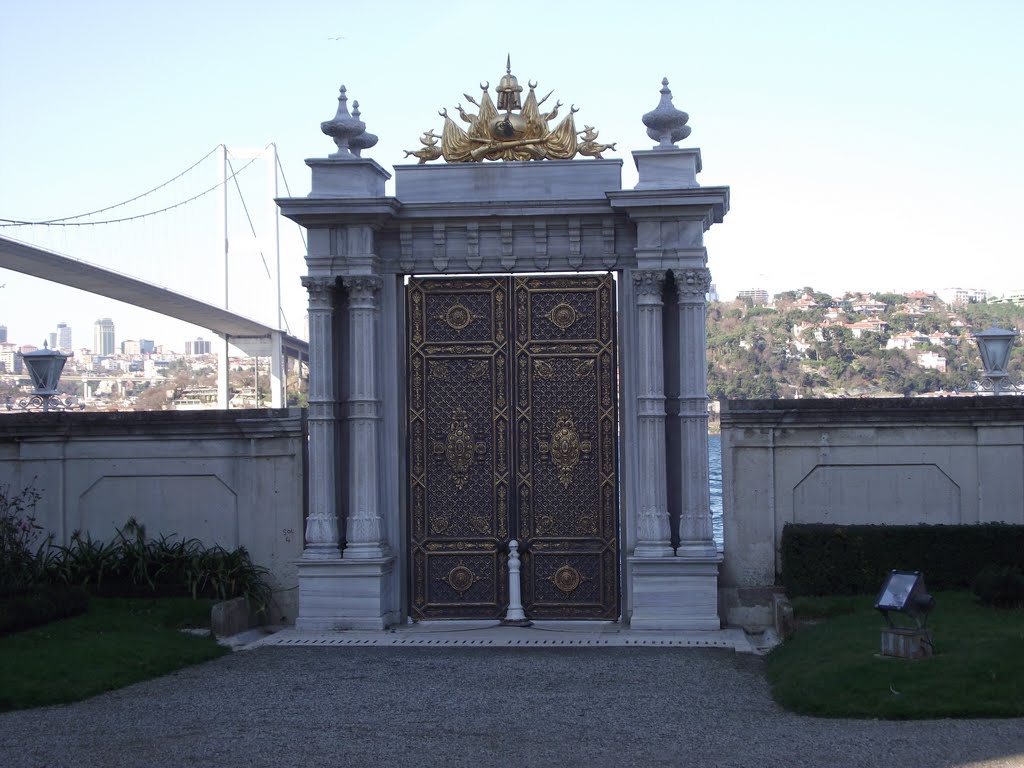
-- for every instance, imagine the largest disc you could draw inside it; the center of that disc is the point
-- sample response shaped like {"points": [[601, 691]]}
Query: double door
{"points": [[513, 434]]}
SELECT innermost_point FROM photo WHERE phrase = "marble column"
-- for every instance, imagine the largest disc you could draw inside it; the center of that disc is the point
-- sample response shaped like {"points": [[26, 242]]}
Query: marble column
{"points": [[653, 532], [695, 533], [322, 523], [364, 531]]}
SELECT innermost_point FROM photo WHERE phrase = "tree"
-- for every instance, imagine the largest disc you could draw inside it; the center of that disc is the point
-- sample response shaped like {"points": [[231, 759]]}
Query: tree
{"points": [[891, 300], [154, 398]]}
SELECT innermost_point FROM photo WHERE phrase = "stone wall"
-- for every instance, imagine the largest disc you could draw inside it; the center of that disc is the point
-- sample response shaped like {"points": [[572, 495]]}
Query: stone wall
{"points": [[233, 478], [956, 460]]}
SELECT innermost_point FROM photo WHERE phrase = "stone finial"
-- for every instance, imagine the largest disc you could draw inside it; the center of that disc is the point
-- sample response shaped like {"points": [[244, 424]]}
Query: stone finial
{"points": [[364, 140], [343, 128], [666, 124]]}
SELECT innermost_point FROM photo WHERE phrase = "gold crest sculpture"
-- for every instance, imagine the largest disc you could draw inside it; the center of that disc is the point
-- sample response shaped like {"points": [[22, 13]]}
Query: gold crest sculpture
{"points": [[509, 130]]}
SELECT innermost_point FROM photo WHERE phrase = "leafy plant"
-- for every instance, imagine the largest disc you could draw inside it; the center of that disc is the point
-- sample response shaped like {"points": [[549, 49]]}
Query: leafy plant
{"points": [[84, 562], [132, 565]]}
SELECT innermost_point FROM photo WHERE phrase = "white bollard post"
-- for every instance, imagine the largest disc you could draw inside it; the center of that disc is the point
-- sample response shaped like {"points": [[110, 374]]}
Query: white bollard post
{"points": [[514, 616]]}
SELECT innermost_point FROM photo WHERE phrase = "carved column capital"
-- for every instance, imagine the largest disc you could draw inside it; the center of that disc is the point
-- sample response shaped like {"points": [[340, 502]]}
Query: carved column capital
{"points": [[367, 285], [649, 283], [322, 291], [692, 283]]}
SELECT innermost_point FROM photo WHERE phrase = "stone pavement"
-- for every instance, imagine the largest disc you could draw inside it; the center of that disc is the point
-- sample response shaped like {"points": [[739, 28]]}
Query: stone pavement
{"points": [[456, 705]]}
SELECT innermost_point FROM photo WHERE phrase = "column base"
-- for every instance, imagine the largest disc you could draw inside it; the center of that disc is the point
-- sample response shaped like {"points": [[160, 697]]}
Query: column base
{"points": [[700, 549], [321, 552], [674, 593], [653, 550], [346, 594]]}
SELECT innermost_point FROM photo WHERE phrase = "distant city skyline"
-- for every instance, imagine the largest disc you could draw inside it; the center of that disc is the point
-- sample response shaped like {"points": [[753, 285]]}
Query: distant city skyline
{"points": [[948, 294], [62, 338]]}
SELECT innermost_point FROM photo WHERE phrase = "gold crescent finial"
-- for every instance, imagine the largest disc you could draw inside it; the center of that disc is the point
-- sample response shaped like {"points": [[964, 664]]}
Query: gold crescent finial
{"points": [[508, 129]]}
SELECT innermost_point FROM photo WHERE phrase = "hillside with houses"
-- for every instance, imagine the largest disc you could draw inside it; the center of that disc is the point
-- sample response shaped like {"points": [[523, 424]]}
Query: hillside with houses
{"points": [[805, 343]]}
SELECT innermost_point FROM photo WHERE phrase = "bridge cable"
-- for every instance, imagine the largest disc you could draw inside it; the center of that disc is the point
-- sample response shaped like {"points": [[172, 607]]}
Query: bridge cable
{"points": [[249, 218], [68, 223], [118, 205], [302, 232]]}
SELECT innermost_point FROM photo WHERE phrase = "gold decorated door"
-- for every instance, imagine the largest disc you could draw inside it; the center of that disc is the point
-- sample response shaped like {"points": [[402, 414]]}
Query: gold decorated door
{"points": [[513, 435]]}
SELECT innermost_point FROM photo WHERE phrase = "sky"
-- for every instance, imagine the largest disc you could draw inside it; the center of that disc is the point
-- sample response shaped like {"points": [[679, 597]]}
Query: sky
{"points": [[868, 146]]}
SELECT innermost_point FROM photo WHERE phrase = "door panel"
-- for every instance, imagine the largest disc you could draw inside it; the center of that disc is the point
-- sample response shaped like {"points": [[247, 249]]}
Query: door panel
{"points": [[459, 446], [566, 483]]}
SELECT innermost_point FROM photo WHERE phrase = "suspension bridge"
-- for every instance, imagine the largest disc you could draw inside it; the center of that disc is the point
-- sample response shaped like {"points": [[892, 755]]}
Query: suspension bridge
{"points": [[172, 242]]}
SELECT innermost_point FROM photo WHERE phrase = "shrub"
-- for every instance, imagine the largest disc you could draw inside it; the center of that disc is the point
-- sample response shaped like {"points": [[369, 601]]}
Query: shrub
{"points": [[41, 605], [1001, 586], [820, 559], [18, 533]]}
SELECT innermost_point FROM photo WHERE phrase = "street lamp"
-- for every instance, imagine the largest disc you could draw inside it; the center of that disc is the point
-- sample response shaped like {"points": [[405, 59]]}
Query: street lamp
{"points": [[994, 346], [44, 368]]}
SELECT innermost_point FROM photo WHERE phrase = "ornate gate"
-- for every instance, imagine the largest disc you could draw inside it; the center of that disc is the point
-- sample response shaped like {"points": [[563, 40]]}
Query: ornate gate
{"points": [[513, 434]]}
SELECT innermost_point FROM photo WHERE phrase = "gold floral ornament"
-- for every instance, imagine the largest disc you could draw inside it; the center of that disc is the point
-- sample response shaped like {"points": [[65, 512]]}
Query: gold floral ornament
{"points": [[460, 448], [565, 447], [509, 130]]}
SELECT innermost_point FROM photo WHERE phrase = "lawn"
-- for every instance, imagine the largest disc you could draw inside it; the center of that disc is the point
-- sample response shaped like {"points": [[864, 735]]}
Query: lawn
{"points": [[832, 668], [117, 643]]}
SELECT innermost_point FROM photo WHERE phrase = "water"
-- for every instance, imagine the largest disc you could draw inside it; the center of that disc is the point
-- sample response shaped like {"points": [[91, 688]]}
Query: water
{"points": [[715, 478]]}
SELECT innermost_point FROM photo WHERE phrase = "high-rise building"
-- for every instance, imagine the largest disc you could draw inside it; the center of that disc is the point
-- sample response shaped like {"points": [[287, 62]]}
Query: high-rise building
{"points": [[3, 334], [103, 337], [140, 347], [756, 296], [64, 338], [51, 340], [10, 358], [198, 347]]}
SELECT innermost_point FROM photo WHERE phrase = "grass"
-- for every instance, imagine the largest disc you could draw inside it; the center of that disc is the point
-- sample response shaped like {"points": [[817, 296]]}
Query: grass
{"points": [[832, 668], [117, 643]]}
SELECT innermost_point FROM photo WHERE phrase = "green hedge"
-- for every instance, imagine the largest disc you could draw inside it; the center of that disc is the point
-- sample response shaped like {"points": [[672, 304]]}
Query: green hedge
{"points": [[819, 559], [41, 605]]}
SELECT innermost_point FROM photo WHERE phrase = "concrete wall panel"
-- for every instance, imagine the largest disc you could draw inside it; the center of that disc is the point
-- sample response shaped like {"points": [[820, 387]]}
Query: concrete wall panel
{"points": [[202, 505], [900, 494]]}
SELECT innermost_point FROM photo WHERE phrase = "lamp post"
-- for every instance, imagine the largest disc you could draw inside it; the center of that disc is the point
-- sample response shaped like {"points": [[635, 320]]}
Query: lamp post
{"points": [[45, 367], [904, 593], [994, 346]]}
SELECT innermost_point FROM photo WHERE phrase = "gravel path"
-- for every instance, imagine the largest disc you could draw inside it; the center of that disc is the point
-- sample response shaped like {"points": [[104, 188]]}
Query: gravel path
{"points": [[453, 707]]}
